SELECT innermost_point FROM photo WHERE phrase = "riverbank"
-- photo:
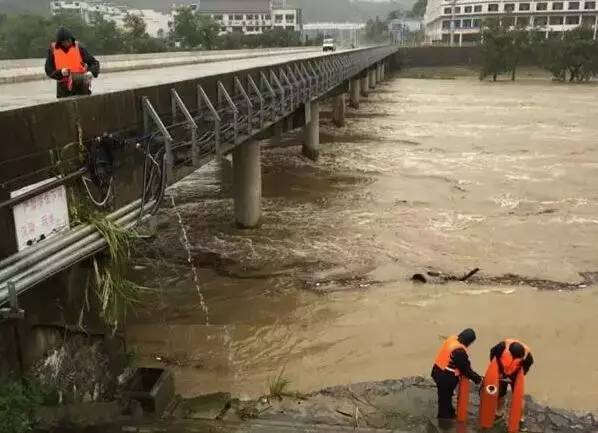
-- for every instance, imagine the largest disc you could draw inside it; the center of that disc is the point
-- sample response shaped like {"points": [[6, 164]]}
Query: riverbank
{"points": [[397, 405]]}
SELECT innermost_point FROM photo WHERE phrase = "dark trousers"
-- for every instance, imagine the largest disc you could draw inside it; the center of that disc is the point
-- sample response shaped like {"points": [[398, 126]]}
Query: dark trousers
{"points": [[446, 382]]}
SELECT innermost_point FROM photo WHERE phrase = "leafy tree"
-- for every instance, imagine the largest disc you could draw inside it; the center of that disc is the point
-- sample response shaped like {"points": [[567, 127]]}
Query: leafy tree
{"points": [[208, 31], [108, 38], [186, 28], [418, 9], [519, 46], [231, 41], [574, 57], [496, 51], [376, 30]]}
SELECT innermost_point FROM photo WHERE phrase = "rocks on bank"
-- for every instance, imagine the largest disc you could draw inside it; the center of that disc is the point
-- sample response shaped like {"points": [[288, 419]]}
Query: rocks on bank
{"points": [[404, 405]]}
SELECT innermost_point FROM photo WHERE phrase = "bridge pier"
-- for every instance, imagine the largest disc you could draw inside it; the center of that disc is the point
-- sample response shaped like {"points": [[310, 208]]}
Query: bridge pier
{"points": [[372, 74], [355, 92], [247, 182], [365, 85], [383, 71], [338, 116], [311, 142]]}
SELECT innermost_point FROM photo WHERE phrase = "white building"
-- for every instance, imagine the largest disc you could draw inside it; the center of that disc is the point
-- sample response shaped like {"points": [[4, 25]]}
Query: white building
{"points": [[248, 16], [91, 11], [459, 21]]}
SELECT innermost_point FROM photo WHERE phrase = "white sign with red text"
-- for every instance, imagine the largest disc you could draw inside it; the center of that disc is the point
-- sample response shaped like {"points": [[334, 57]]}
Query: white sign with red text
{"points": [[40, 217]]}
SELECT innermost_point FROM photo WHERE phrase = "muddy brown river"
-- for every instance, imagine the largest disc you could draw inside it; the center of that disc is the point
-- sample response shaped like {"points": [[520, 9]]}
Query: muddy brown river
{"points": [[442, 175]]}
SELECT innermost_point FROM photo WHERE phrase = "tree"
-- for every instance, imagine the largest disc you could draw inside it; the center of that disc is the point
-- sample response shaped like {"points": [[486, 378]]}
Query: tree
{"points": [[575, 57], [418, 9], [208, 31], [108, 39], [186, 28], [518, 47], [495, 49], [376, 30]]}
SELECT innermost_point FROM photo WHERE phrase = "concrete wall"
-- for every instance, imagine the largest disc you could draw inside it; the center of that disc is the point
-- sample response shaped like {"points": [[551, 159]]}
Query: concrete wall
{"points": [[439, 56]]}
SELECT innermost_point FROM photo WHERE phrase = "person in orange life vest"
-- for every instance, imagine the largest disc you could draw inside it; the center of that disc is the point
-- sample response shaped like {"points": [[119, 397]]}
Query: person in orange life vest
{"points": [[512, 355], [67, 59], [451, 362]]}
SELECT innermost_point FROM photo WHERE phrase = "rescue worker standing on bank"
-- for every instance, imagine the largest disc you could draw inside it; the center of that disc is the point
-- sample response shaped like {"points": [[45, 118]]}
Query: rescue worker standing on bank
{"points": [[511, 356], [452, 362], [70, 65]]}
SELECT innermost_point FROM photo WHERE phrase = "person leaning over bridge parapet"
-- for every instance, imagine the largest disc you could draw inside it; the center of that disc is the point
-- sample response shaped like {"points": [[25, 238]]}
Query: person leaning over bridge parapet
{"points": [[70, 65]]}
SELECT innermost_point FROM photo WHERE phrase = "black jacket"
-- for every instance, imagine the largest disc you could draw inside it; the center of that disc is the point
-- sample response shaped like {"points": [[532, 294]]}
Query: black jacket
{"points": [[497, 351], [93, 65], [459, 360]]}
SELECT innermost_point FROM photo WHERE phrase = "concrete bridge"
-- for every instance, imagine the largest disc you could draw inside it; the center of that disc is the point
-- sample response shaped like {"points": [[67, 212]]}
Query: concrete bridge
{"points": [[181, 126]]}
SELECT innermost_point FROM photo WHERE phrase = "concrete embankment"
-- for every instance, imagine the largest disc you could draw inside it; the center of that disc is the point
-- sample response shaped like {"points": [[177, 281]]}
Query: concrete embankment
{"points": [[16, 71], [400, 406]]}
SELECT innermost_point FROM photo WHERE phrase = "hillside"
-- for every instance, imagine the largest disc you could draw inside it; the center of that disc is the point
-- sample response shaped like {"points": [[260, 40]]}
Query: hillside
{"points": [[313, 10]]}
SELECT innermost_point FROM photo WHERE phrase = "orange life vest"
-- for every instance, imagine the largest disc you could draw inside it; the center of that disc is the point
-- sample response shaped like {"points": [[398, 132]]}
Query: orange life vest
{"points": [[71, 60], [443, 359], [512, 365]]}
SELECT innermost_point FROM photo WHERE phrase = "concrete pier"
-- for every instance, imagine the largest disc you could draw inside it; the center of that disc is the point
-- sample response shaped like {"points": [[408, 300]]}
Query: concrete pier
{"points": [[247, 181], [383, 71], [365, 86], [338, 116], [311, 143], [355, 92], [372, 74]]}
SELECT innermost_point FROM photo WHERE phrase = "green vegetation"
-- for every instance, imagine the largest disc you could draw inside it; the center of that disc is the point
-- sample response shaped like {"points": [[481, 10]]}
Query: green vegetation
{"points": [[18, 402], [418, 9], [279, 385], [376, 31], [115, 292], [573, 58], [26, 36]]}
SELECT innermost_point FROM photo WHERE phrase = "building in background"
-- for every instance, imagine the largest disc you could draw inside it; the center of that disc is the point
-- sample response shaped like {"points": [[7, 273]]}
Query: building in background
{"points": [[405, 30], [90, 12], [456, 22], [345, 34], [250, 17]]}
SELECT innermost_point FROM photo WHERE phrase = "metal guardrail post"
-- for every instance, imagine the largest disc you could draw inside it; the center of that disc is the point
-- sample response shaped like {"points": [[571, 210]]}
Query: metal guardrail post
{"points": [[310, 80], [304, 83], [295, 83], [202, 98], [266, 83], [151, 113], [178, 104], [256, 89], [286, 80], [280, 88], [240, 89], [223, 94], [317, 80]]}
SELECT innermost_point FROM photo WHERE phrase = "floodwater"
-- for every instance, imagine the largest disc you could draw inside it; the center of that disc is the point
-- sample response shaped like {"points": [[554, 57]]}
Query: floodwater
{"points": [[444, 175]]}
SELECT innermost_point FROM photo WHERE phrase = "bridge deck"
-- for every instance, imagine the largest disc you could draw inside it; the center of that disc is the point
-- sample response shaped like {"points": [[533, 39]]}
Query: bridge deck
{"points": [[19, 95]]}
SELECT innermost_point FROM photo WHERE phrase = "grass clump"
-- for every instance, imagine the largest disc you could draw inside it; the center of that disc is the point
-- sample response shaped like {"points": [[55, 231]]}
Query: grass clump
{"points": [[278, 386], [18, 403], [115, 292]]}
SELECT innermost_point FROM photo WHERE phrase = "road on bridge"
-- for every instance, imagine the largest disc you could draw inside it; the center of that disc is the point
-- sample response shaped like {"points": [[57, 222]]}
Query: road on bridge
{"points": [[18, 95]]}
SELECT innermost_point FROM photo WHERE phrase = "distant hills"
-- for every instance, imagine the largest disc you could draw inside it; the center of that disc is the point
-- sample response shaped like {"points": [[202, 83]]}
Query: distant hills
{"points": [[313, 10]]}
